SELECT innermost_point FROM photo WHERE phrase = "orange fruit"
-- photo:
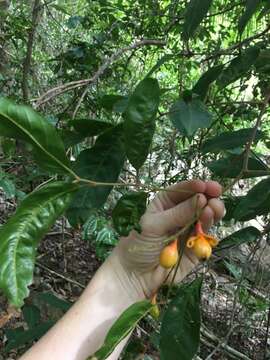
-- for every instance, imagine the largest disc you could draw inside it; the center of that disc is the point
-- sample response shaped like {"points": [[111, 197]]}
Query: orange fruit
{"points": [[202, 249], [169, 255]]}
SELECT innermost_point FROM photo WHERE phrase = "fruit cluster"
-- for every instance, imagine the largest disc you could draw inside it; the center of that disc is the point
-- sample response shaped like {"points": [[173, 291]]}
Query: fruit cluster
{"points": [[200, 243]]}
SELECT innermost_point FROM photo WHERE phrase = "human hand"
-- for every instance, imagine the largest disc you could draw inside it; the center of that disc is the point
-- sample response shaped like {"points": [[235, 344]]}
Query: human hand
{"points": [[136, 258]]}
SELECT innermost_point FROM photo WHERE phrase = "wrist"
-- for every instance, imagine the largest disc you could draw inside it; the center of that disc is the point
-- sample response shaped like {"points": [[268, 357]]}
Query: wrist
{"points": [[128, 283]]}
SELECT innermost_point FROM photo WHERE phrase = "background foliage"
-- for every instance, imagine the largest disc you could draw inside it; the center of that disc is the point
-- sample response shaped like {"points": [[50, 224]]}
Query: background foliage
{"points": [[144, 93]]}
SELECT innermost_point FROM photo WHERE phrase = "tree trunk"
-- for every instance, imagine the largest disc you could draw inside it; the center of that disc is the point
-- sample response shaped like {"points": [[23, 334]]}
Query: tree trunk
{"points": [[30, 43], [4, 4]]}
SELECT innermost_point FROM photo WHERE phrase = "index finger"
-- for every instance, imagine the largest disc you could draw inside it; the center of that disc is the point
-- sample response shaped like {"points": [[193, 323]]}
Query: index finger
{"points": [[179, 192], [184, 190]]}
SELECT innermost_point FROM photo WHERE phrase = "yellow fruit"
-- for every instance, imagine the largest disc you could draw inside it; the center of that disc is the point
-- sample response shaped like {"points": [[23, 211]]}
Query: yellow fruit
{"points": [[169, 255], [202, 249], [154, 311]]}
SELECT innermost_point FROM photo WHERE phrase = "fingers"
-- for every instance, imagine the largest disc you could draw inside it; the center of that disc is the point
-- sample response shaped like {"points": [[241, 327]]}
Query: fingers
{"points": [[180, 192], [186, 189], [213, 212], [179, 215], [213, 189]]}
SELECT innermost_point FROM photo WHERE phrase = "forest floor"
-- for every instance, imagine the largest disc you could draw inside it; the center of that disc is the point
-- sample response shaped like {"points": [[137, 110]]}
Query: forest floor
{"points": [[66, 263]]}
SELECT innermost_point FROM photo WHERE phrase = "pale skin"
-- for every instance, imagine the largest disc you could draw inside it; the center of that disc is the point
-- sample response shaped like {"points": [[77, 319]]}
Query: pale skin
{"points": [[131, 273]]}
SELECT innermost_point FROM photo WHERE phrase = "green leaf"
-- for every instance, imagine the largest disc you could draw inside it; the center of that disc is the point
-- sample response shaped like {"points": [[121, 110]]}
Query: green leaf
{"points": [[102, 163], [112, 102], [21, 234], [238, 67], [139, 125], [202, 85], [262, 64], [60, 8], [71, 138], [165, 58], [251, 7], [128, 212], [54, 301], [265, 10], [230, 205], [8, 147], [89, 127], [230, 140], [231, 166], [195, 12], [19, 338], [22, 122], [180, 328], [255, 203], [31, 315], [243, 236], [8, 187], [189, 117], [121, 328]]}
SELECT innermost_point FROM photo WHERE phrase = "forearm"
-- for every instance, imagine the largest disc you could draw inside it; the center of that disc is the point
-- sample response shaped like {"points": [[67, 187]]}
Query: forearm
{"points": [[83, 328]]}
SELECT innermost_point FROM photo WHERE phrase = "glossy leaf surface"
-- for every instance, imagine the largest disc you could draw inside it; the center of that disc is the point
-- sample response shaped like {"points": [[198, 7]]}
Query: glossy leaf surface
{"points": [[21, 234], [139, 125], [128, 211], [230, 140], [239, 66], [255, 203], [180, 328], [190, 116], [195, 12], [22, 122], [102, 163], [121, 328]]}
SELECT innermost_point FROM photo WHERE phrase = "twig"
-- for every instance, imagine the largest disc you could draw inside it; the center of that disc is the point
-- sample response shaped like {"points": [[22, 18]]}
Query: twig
{"points": [[221, 343], [225, 347], [79, 102], [266, 334], [254, 132], [52, 93], [248, 147], [238, 45], [60, 275]]}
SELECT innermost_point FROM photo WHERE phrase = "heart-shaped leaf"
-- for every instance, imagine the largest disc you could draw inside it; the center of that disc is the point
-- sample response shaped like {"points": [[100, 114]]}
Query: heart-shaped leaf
{"points": [[190, 116]]}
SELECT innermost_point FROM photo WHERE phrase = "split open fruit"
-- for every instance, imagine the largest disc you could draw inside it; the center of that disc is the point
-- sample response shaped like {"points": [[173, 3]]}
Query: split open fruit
{"points": [[201, 243]]}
